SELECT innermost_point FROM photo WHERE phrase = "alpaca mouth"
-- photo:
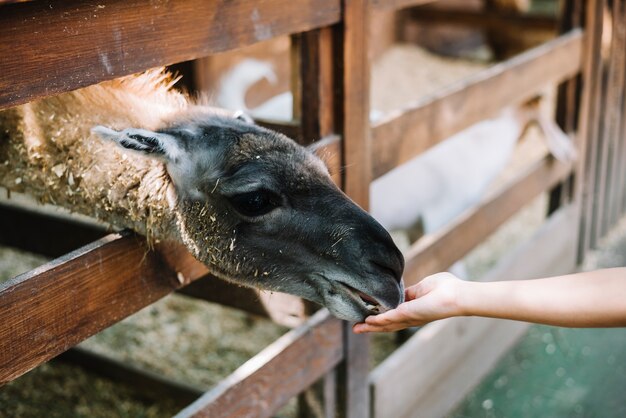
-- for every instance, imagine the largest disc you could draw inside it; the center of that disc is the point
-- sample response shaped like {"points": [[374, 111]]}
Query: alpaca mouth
{"points": [[367, 301]]}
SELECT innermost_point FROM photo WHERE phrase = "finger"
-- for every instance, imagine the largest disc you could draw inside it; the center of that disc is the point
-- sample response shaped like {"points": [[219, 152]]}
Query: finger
{"points": [[416, 291], [365, 328], [395, 315]]}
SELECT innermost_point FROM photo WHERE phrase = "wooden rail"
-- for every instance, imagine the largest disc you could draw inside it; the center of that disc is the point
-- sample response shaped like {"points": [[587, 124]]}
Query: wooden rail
{"points": [[86, 43], [282, 370], [410, 131], [56, 306], [484, 19]]}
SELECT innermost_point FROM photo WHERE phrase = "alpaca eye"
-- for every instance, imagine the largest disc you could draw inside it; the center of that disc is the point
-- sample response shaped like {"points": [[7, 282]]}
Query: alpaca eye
{"points": [[256, 203]]}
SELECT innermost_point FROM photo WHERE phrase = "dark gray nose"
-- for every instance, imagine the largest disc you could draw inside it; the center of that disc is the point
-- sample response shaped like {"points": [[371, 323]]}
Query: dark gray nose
{"points": [[386, 257]]}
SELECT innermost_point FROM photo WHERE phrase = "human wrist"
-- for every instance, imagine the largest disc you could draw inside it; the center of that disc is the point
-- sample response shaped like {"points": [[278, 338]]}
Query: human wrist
{"points": [[465, 296]]}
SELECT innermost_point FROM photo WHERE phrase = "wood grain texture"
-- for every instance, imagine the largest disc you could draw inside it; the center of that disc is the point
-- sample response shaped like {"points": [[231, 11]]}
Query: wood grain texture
{"points": [[613, 114], [445, 359], [485, 19], [353, 395], [52, 308], [282, 370], [410, 131], [54, 46], [590, 119], [316, 53], [355, 130], [398, 4], [440, 250]]}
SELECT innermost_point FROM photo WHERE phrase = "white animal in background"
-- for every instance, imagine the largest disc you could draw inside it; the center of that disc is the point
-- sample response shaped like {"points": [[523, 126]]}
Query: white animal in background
{"points": [[235, 84], [441, 183]]}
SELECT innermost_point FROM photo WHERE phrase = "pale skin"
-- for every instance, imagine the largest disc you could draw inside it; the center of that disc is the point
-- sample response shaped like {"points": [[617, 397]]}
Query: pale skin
{"points": [[582, 300]]}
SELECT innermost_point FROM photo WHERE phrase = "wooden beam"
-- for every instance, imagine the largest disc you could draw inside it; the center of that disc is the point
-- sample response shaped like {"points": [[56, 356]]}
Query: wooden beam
{"points": [[54, 307], [284, 309], [619, 166], [45, 234], [354, 107], [282, 370], [52, 47], [589, 123], [316, 52], [485, 19], [398, 4], [613, 114], [410, 131], [440, 250], [152, 384], [445, 359]]}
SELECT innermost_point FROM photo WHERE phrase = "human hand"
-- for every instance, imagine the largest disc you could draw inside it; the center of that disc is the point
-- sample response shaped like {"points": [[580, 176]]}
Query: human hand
{"points": [[435, 297]]}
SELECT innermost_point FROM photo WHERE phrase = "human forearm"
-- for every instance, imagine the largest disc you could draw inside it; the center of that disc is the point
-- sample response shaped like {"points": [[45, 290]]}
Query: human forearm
{"points": [[589, 299]]}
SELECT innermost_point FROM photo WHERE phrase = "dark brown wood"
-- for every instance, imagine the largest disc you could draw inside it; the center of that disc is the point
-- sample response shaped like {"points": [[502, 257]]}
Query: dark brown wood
{"points": [[87, 42], [410, 131], [440, 250], [316, 56], [290, 129], [282, 308], [397, 4], [150, 384], [282, 370], [357, 155], [52, 308], [485, 19], [353, 394], [45, 234]]}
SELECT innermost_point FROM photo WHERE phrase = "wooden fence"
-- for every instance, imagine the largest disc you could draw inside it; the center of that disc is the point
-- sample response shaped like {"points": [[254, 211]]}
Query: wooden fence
{"points": [[50, 47]]}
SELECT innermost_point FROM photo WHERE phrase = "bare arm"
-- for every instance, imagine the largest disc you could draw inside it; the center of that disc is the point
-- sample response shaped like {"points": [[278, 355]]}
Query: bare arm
{"points": [[588, 299]]}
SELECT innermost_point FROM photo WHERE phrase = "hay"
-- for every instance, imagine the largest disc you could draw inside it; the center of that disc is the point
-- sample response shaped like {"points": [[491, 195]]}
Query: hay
{"points": [[48, 151]]}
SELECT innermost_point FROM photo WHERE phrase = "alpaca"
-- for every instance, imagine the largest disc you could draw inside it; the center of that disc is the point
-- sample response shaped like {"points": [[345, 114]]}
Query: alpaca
{"points": [[255, 207]]}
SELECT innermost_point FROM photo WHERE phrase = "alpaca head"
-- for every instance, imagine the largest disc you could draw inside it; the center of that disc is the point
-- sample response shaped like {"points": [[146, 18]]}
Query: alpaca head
{"points": [[262, 211]]}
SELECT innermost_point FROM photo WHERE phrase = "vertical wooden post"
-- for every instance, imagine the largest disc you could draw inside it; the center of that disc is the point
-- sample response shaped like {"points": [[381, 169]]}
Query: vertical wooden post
{"points": [[589, 117], [353, 390], [614, 119], [568, 98], [316, 84]]}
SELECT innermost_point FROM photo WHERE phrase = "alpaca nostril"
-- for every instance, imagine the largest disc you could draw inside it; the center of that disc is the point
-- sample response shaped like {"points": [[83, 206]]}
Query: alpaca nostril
{"points": [[386, 267]]}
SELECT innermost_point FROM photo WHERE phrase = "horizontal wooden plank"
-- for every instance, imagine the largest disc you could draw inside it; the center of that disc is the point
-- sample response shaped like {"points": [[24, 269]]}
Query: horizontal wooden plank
{"points": [[445, 359], [485, 19], [52, 308], [282, 308], [438, 251], [45, 234], [151, 384], [282, 370], [407, 132], [50, 47], [398, 4]]}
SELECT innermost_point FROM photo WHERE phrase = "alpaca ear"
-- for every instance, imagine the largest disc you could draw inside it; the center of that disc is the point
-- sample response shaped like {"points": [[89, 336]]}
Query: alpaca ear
{"points": [[243, 116], [153, 144]]}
